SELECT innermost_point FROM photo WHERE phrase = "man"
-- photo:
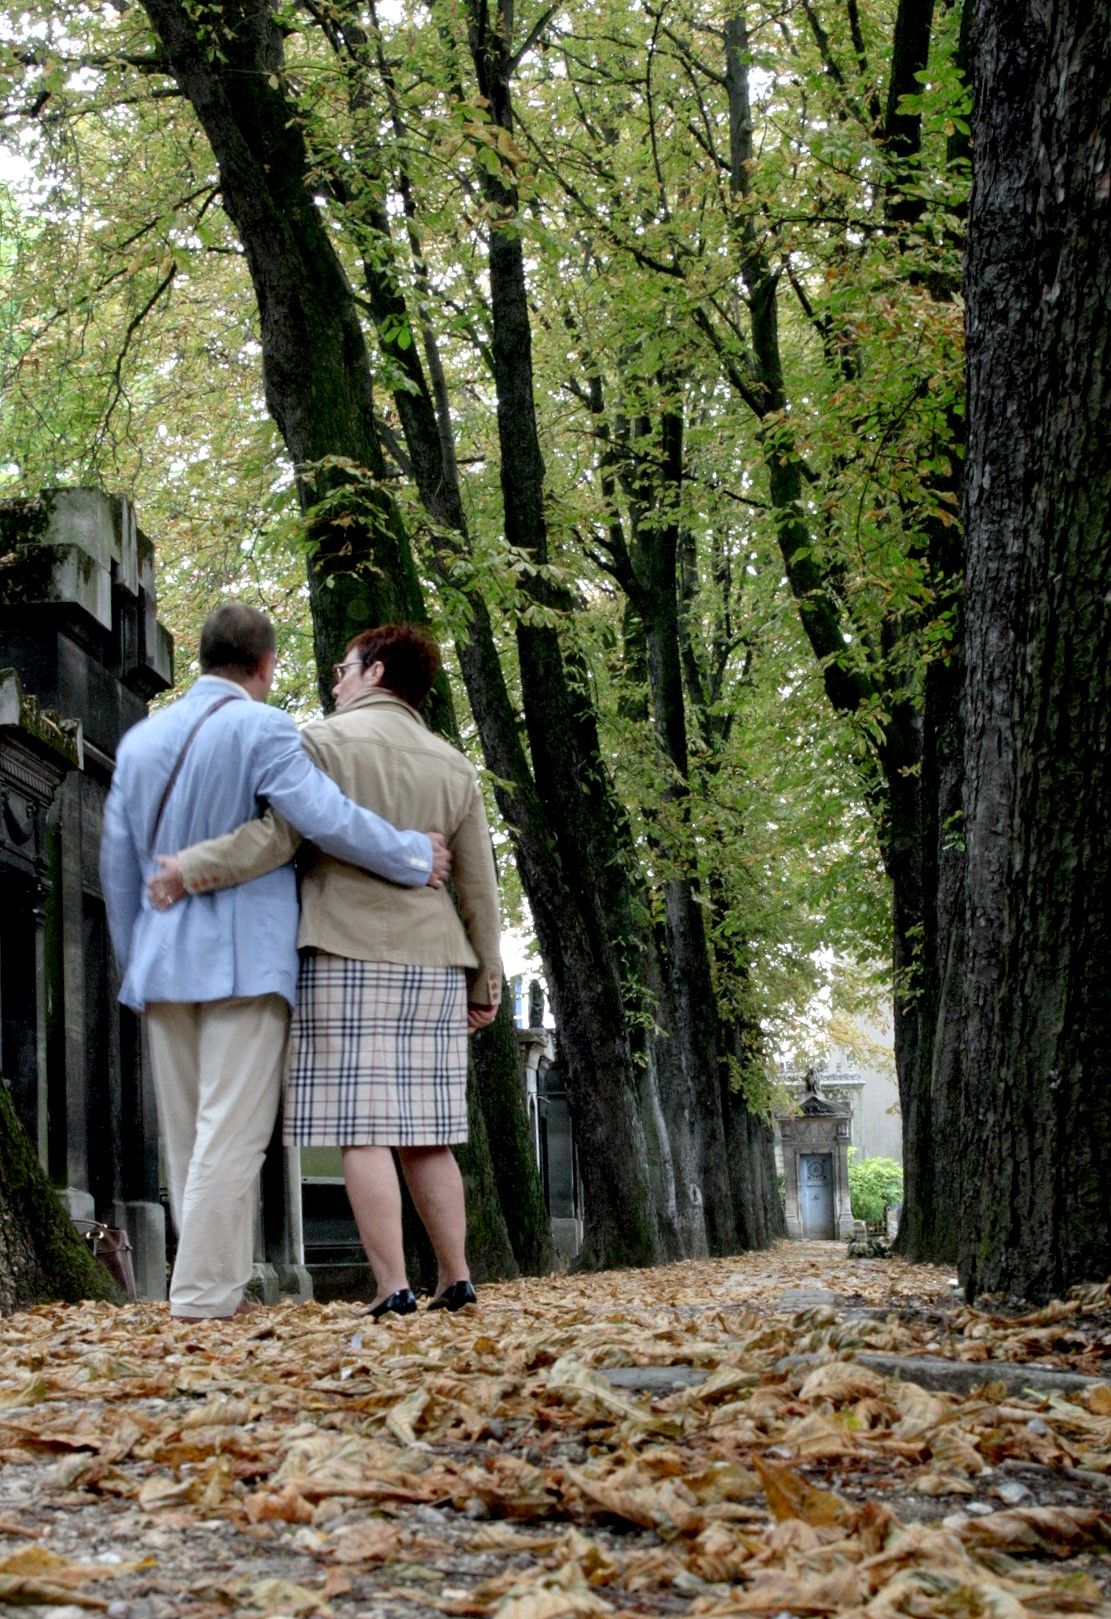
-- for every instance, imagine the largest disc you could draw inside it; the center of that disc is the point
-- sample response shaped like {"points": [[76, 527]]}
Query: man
{"points": [[216, 979]]}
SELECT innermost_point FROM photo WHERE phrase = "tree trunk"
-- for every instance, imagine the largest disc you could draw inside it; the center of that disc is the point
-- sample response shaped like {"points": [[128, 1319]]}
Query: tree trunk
{"points": [[497, 1062], [41, 1256], [1037, 905], [937, 1149], [315, 365], [929, 975], [694, 1022], [925, 820], [750, 1144]]}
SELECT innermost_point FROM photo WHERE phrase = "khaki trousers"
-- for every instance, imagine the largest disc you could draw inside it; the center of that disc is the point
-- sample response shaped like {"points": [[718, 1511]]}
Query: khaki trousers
{"points": [[217, 1069]]}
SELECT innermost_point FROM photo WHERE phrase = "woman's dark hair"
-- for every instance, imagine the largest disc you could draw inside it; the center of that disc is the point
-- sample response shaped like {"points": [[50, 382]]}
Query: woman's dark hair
{"points": [[235, 637], [409, 655]]}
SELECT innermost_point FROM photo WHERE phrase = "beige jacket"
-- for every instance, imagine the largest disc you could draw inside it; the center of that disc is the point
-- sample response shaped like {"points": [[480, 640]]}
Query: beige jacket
{"points": [[382, 755]]}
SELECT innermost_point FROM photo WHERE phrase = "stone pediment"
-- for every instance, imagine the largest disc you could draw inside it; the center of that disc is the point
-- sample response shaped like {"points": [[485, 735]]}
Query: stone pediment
{"points": [[814, 1106], [811, 1104]]}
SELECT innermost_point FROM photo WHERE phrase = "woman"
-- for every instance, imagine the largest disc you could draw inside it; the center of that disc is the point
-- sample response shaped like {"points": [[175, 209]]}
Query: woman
{"points": [[392, 979]]}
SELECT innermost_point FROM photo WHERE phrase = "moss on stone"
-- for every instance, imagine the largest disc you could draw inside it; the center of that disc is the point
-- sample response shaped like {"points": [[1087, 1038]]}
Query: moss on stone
{"points": [[41, 1256], [43, 724]]}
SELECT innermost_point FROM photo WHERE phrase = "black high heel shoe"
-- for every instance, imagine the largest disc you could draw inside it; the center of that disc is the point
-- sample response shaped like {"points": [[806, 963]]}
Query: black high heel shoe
{"points": [[455, 1297], [403, 1302]]}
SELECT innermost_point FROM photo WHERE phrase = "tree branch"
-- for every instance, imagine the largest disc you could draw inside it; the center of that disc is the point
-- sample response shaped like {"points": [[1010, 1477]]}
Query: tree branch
{"points": [[531, 38]]}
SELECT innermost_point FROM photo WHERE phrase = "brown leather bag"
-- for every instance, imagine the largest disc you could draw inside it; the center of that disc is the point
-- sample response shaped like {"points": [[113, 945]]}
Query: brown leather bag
{"points": [[113, 1248]]}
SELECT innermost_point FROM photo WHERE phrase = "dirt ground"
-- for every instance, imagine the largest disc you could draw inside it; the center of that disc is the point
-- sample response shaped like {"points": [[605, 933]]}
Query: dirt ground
{"points": [[705, 1439]]}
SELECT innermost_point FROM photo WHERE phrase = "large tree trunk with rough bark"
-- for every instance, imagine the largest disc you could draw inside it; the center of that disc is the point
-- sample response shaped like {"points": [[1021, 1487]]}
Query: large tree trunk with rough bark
{"points": [[928, 972], [924, 848], [1032, 1037], [41, 1256], [695, 1023]]}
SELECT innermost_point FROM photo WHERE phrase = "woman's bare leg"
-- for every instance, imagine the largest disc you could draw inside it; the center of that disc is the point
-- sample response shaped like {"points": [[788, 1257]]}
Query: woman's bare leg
{"points": [[436, 1186], [376, 1204]]}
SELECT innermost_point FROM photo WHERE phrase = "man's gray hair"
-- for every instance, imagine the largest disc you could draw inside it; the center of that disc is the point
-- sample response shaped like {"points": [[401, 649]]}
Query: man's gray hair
{"points": [[235, 636]]}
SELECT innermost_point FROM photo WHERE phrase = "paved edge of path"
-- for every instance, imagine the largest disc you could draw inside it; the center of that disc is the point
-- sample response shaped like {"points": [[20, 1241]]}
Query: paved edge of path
{"points": [[928, 1371]]}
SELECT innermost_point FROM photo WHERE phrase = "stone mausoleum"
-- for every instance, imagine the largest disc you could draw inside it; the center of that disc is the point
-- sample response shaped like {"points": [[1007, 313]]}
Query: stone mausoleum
{"points": [[81, 655], [815, 1146], [549, 1112]]}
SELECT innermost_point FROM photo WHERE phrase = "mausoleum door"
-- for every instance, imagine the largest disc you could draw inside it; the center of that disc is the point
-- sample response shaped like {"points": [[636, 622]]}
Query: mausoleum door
{"points": [[108, 1125], [816, 1194], [20, 1000]]}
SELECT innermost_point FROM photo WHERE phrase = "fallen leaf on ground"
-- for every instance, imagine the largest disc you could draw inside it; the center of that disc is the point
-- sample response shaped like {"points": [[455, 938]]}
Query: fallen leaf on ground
{"points": [[1057, 1531], [790, 1496]]}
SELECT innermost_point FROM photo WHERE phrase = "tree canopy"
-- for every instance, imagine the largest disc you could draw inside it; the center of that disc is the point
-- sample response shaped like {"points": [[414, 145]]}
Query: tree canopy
{"points": [[132, 357]]}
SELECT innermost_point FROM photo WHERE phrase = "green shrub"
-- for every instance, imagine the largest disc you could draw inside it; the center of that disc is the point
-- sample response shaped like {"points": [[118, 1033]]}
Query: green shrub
{"points": [[875, 1185]]}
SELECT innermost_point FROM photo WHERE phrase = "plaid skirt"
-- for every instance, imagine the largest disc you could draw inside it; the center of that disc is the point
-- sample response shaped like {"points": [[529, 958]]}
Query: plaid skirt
{"points": [[377, 1055]]}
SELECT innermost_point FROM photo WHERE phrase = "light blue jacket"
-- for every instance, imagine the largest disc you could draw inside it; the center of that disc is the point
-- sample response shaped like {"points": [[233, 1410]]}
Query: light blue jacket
{"points": [[239, 941]]}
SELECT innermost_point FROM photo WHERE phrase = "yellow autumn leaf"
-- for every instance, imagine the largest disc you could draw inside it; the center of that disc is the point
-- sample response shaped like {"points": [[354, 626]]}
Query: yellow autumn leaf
{"points": [[780, 1592], [162, 1490], [40, 1560], [790, 1496], [723, 1380], [919, 1409], [659, 1506], [954, 1452], [546, 1603], [31, 1393], [936, 1482], [817, 1435]]}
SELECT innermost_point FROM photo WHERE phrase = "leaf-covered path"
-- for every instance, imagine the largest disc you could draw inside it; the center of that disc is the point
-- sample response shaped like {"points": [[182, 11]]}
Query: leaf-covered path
{"points": [[306, 1460]]}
